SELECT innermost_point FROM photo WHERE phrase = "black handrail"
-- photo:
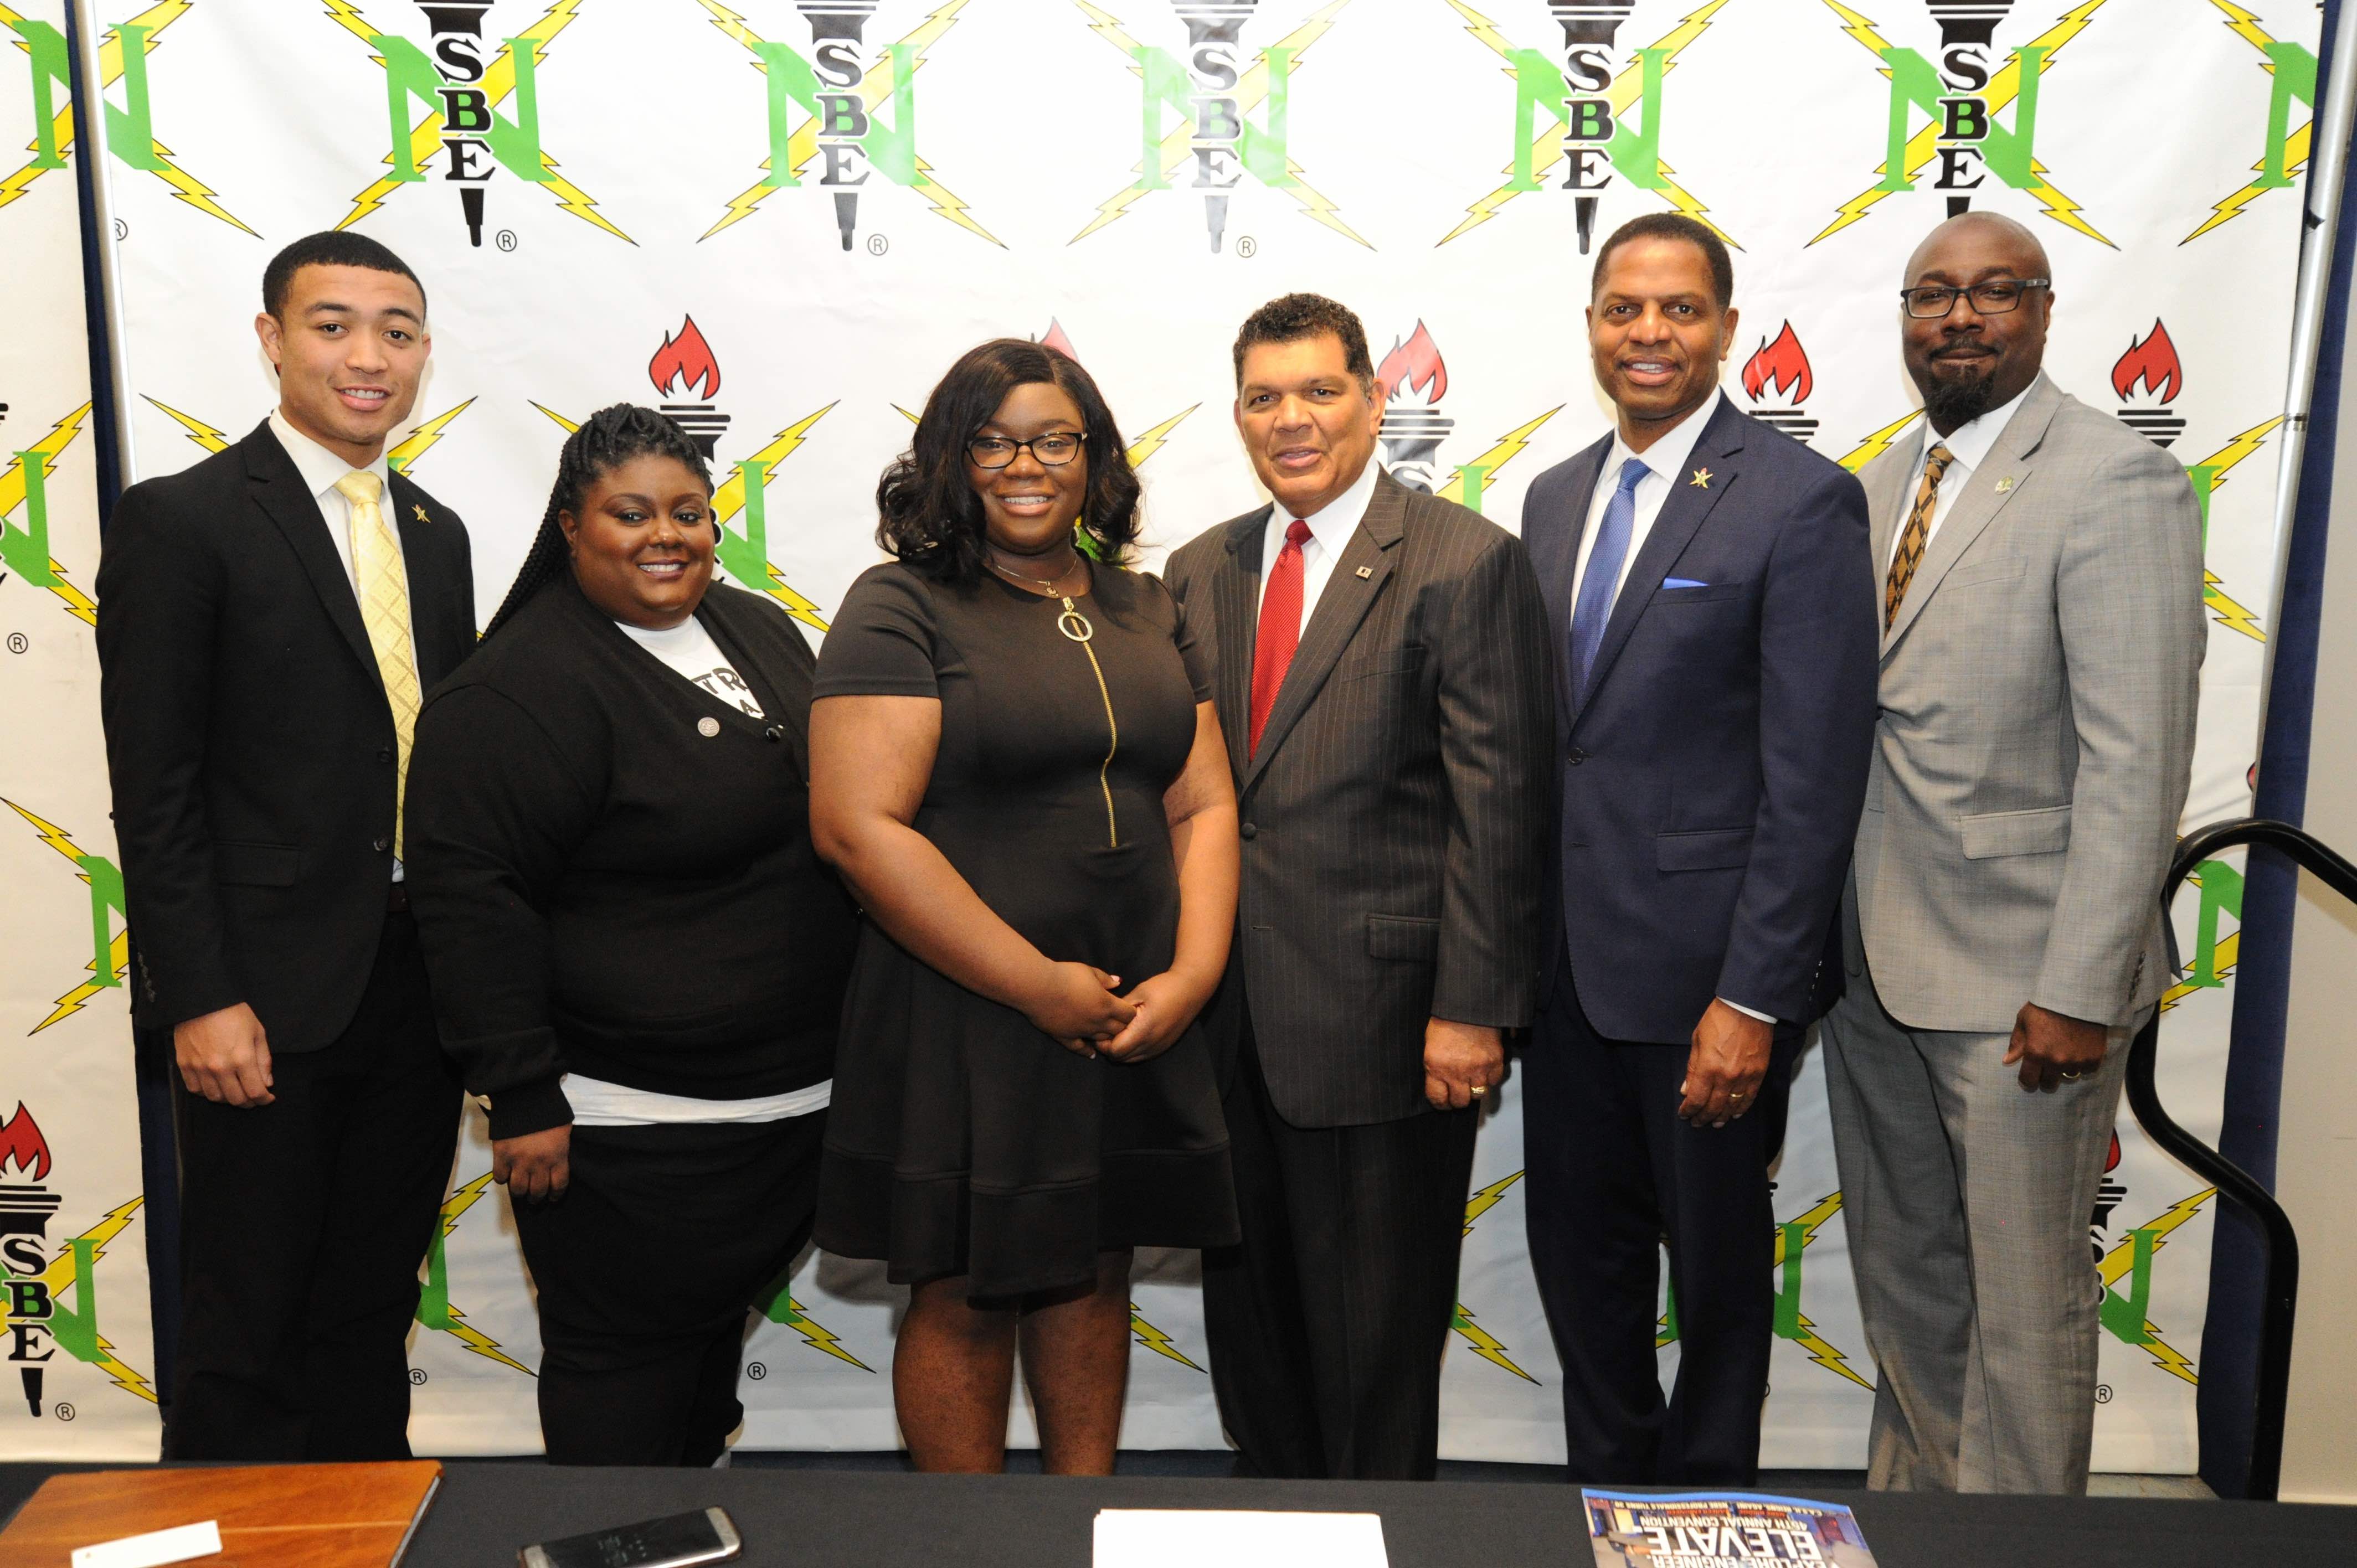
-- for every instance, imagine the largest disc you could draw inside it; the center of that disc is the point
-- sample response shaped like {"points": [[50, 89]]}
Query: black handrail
{"points": [[2282, 1289]]}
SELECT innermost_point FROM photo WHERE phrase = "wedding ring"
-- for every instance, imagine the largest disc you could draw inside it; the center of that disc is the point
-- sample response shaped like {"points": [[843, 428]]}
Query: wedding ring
{"points": [[2071, 1077], [1735, 1094], [1480, 1089]]}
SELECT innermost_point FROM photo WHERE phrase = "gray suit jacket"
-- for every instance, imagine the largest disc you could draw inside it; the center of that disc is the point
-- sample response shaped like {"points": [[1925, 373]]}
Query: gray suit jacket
{"points": [[2036, 736], [1395, 813]]}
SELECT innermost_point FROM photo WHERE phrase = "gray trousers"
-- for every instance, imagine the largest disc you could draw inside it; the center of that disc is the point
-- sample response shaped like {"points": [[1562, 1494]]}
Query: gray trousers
{"points": [[1966, 1199]]}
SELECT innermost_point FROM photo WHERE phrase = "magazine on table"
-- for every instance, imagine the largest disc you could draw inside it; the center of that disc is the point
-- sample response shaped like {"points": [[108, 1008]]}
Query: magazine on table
{"points": [[1720, 1529]]}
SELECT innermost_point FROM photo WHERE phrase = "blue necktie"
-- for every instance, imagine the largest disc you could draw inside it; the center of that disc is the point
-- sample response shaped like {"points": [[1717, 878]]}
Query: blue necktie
{"points": [[1597, 589]]}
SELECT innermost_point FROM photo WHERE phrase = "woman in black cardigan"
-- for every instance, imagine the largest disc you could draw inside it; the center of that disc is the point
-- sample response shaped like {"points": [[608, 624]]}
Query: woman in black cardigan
{"points": [[636, 955]]}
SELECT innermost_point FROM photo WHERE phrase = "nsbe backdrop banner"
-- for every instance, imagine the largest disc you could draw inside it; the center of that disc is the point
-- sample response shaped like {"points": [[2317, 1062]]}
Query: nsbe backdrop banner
{"points": [[782, 221]]}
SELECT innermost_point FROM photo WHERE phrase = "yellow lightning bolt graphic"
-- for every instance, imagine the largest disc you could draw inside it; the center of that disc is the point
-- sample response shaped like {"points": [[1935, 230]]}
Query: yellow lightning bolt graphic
{"points": [[2297, 145], [1874, 446], [2002, 90], [1820, 1350], [1155, 1340], [184, 185], [458, 1328], [729, 500], [875, 87], [118, 951], [2228, 613], [2120, 1260], [1176, 146], [1546, 145], [60, 1276], [12, 495], [498, 82], [1486, 1345], [1509, 446], [2229, 952], [818, 1337], [420, 440], [203, 435]]}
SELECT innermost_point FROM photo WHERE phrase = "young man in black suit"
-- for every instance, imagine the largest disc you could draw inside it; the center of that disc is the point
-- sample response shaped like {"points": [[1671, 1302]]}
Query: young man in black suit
{"points": [[268, 622]]}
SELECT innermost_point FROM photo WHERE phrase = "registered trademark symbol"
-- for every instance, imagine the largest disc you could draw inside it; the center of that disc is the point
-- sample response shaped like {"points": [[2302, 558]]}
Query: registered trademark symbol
{"points": [[65, 1411], [878, 244], [1247, 247], [122, 229], [17, 642], [505, 240], [757, 1371], [2103, 1393], [416, 1377]]}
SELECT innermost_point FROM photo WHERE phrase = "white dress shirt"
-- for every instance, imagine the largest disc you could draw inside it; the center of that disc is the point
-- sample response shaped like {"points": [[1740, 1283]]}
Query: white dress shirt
{"points": [[1666, 457], [320, 468], [1968, 447], [1330, 529]]}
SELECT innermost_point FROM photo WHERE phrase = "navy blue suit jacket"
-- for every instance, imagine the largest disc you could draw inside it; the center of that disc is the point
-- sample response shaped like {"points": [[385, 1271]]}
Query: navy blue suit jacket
{"points": [[1712, 780]]}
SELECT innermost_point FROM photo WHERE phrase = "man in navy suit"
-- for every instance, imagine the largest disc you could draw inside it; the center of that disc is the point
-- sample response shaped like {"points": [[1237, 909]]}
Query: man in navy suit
{"points": [[1711, 600]]}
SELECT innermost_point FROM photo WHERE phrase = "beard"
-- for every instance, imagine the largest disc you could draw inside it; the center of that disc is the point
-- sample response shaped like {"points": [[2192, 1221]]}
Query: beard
{"points": [[1957, 398]]}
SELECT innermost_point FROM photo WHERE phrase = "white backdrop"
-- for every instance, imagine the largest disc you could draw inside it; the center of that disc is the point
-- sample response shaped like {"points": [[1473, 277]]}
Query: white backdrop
{"points": [[982, 175]]}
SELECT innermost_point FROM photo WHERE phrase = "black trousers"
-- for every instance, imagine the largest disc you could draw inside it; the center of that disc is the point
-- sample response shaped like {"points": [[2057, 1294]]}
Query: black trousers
{"points": [[645, 1269], [1325, 1325], [1611, 1172], [302, 1226]]}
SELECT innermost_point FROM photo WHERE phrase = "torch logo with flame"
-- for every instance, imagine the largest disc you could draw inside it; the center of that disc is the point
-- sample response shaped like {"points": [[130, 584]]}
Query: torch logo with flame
{"points": [[25, 1208], [1411, 380], [683, 367], [1777, 381], [2151, 364]]}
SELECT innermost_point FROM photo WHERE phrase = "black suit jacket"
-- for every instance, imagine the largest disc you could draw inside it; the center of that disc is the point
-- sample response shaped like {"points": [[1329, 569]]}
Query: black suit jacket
{"points": [[1711, 781], [249, 736], [1395, 816]]}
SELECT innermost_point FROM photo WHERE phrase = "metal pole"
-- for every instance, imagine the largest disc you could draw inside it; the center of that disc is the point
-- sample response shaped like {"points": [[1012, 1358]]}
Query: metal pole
{"points": [[89, 145], [2321, 223]]}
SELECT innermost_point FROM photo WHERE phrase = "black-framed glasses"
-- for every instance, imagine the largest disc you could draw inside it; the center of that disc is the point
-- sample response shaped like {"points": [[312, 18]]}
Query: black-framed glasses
{"points": [[1996, 297], [1055, 449]]}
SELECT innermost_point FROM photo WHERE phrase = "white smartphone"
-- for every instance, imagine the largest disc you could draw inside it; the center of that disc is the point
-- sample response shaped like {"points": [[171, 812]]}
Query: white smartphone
{"points": [[675, 1540]]}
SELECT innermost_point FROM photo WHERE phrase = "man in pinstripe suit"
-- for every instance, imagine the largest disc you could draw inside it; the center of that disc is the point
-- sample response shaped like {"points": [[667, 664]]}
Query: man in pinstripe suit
{"points": [[1383, 684], [1711, 608]]}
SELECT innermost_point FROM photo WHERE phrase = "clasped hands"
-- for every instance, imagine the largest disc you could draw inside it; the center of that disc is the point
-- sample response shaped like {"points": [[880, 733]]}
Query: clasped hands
{"points": [[1075, 1005]]}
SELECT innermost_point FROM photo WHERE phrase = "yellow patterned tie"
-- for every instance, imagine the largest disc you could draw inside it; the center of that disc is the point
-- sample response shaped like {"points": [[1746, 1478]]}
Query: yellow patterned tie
{"points": [[1913, 537], [385, 610]]}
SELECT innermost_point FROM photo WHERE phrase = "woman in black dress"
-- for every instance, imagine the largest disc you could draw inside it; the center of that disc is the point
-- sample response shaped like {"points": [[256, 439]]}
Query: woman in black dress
{"points": [[636, 953], [1016, 765]]}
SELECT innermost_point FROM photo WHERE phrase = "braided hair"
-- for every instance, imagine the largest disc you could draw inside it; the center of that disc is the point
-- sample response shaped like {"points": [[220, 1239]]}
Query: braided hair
{"points": [[604, 441]]}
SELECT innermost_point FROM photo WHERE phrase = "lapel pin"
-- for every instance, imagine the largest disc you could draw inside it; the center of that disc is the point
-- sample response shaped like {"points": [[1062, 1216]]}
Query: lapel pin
{"points": [[2004, 483], [1701, 479], [420, 510], [1366, 570], [707, 727]]}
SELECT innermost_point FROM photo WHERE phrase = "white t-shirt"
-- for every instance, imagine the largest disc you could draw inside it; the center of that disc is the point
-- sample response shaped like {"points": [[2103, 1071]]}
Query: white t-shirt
{"points": [[688, 649]]}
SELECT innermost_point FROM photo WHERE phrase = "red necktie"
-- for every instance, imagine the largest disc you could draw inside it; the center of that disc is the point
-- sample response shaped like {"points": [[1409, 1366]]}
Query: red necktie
{"points": [[1280, 627]]}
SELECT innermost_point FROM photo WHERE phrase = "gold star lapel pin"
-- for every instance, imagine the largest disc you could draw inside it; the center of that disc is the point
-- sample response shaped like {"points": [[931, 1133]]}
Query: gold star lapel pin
{"points": [[1701, 479], [420, 510]]}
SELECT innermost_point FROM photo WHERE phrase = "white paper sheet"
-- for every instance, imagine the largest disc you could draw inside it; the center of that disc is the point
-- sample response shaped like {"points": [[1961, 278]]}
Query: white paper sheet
{"points": [[1191, 1538]]}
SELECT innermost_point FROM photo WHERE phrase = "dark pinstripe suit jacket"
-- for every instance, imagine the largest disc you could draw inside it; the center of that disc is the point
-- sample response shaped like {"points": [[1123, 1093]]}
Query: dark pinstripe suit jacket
{"points": [[1396, 814]]}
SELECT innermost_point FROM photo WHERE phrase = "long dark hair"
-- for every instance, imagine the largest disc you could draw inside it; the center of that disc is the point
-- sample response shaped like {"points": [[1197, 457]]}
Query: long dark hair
{"points": [[606, 440], [927, 512]]}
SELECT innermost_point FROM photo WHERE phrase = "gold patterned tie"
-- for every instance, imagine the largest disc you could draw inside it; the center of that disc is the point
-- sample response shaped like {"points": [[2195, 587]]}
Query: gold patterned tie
{"points": [[385, 610], [1913, 537]]}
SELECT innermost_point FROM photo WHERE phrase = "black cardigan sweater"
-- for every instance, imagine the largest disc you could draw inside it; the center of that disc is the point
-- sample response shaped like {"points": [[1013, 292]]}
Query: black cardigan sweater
{"points": [[601, 886]]}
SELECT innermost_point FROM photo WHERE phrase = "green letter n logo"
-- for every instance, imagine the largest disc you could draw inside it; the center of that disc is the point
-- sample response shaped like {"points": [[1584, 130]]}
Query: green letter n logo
{"points": [[1635, 154], [840, 115], [1223, 139], [463, 110], [1915, 83]]}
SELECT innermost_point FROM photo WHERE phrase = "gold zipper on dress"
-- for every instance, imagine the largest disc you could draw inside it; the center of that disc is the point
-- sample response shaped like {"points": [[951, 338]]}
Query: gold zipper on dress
{"points": [[1066, 623]]}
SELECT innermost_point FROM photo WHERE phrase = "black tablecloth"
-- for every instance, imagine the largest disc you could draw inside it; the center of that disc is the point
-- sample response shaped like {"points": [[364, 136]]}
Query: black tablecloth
{"points": [[820, 1518]]}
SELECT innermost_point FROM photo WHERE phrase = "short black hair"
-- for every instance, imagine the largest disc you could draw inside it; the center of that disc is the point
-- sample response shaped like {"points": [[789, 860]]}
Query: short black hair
{"points": [[1671, 226], [928, 515], [329, 248], [1291, 317]]}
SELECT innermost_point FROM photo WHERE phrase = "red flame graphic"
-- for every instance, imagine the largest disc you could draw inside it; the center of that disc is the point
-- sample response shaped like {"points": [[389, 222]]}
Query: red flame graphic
{"points": [[2112, 1160], [1413, 366], [2151, 360], [1057, 340], [685, 364], [22, 1145], [1780, 364]]}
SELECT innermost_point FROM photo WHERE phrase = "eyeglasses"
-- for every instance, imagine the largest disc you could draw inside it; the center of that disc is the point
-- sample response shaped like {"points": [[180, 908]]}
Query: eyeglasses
{"points": [[1995, 297], [1055, 449]]}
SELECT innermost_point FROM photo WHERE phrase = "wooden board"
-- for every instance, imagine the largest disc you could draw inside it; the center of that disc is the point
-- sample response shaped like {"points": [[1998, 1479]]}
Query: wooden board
{"points": [[271, 1516]]}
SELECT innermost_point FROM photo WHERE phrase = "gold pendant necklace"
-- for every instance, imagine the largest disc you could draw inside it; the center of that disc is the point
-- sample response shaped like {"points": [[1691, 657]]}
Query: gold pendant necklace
{"points": [[1072, 623]]}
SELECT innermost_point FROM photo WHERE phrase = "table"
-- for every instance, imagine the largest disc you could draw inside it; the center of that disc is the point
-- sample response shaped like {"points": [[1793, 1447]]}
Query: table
{"points": [[831, 1519]]}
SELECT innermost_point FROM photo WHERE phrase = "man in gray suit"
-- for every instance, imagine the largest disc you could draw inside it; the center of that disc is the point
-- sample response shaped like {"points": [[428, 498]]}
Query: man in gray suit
{"points": [[1385, 686], [2041, 601]]}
